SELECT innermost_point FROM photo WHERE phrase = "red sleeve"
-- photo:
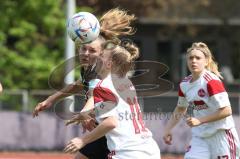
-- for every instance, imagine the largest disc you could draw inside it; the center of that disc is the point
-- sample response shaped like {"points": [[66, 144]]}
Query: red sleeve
{"points": [[180, 93], [102, 94], [215, 87]]}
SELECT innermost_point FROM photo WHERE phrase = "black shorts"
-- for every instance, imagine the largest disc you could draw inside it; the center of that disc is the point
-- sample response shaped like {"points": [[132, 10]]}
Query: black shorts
{"points": [[96, 149]]}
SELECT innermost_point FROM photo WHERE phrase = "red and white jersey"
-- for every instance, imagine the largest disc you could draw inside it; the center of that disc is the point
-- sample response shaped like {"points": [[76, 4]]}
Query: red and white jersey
{"points": [[206, 95], [114, 96]]}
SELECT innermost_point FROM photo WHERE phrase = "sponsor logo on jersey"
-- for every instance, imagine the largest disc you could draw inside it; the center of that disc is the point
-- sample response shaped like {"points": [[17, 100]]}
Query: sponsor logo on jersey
{"points": [[200, 105], [201, 92]]}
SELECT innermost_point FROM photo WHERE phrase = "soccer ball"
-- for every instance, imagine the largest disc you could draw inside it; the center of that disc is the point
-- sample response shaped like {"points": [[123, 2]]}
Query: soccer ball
{"points": [[83, 27]]}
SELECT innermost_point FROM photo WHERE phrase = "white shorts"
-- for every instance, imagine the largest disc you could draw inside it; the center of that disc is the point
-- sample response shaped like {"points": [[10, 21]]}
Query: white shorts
{"points": [[222, 145], [150, 152]]}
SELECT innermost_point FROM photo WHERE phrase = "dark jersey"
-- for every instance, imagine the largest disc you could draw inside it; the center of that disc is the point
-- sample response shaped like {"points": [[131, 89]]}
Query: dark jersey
{"points": [[87, 75], [97, 149]]}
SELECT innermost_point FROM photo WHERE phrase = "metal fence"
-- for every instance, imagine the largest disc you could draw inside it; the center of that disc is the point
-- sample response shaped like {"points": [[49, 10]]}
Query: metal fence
{"points": [[25, 101]]}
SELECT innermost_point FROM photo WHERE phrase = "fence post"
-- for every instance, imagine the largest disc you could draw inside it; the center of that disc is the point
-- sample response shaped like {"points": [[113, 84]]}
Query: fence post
{"points": [[25, 100]]}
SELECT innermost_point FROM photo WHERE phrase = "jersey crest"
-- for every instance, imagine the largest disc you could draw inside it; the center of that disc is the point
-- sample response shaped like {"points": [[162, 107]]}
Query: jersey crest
{"points": [[201, 92]]}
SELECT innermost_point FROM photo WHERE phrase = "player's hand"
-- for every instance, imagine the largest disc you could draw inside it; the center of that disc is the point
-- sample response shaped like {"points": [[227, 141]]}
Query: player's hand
{"points": [[89, 125], [88, 122], [77, 118], [192, 122], [74, 145], [167, 137], [41, 106]]}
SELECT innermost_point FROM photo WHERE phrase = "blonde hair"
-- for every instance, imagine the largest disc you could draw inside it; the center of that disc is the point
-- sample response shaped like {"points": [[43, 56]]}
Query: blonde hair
{"points": [[116, 23], [212, 65], [123, 57]]}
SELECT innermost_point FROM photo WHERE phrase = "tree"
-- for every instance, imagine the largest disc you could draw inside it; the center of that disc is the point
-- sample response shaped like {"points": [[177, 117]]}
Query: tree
{"points": [[31, 41]]}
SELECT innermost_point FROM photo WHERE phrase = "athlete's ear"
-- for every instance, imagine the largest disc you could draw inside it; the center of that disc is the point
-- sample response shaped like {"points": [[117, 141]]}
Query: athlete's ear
{"points": [[207, 61]]}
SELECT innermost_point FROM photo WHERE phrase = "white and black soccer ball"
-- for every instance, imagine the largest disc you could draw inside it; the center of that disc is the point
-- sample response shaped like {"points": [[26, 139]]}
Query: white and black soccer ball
{"points": [[83, 27]]}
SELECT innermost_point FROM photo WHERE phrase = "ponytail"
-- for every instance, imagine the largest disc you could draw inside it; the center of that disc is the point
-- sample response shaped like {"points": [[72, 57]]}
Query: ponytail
{"points": [[116, 23]]}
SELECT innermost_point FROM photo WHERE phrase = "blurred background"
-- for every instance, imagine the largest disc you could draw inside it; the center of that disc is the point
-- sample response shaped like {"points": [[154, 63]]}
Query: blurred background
{"points": [[33, 43]]}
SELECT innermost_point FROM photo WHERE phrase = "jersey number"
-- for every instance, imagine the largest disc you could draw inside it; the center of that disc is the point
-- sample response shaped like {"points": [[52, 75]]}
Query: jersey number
{"points": [[136, 115]]}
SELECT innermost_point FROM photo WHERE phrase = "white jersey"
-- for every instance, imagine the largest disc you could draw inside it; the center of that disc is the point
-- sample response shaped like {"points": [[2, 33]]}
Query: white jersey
{"points": [[206, 95], [114, 96]]}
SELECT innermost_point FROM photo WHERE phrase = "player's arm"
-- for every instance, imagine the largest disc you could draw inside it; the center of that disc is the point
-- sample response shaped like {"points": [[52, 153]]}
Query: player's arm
{"points": [[88, 122], [178, 113], [102, 129], [218, 98], [74, 88], [221, 113], [90, 102], [85, 117], [65, 92]]}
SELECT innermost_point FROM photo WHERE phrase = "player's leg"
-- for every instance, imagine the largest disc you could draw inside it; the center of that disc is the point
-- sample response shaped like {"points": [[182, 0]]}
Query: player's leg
{"points": [[224, 144], [95, 150], [198, 149]]}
